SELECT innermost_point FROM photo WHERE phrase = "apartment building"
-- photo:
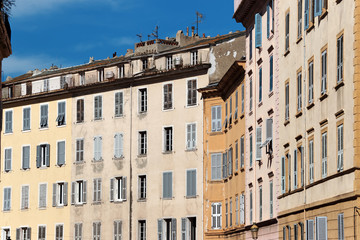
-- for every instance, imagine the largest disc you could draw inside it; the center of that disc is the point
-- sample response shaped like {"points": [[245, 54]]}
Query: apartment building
{"points": [[261, 116], [132, 163], [224, 155], [318, 165]]}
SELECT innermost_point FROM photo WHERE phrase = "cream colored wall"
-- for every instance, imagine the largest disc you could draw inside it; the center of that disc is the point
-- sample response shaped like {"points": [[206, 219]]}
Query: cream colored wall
{"points": [[339, 18], [34, 216]]}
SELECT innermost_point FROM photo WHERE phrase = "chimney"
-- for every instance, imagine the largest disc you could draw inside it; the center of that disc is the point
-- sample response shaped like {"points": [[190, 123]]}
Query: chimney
{"points": [[203, 35], [187, 31], [192, 31]]}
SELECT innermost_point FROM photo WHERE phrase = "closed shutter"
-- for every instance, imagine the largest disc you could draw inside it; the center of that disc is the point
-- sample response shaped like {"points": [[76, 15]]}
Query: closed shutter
{"points": [[242, 209], [321, 228], [340, 59], [311, 82], [42, 200], [54, 195], [191, 183], [218, 117], [284, 233], [302, 166], [112, 189], [306, 15], [341, 226], [26, 157], [271, 199], [61, 153], [340, 140], [213, 119], [160, 228], [167, 184], [310, 229], [258, 33], [271, 73], [224, 174], [28, 233], [311, 161], [18, 234], [287, 31], [242, 151], [8, 153], [118, 104], [269, 128], [230, 157], [118, 148], [38, 156], [258, 144], [268, 20], [26, 118], [80, 110], [323, 72], [260, 84], [173, 229]]}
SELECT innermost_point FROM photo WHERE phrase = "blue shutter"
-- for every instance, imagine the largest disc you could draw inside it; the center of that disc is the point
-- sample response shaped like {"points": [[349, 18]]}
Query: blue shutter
{"points": [[306, 15], [258, 35], [260, 84], [268, 20], [318, 8], [271, 72]]}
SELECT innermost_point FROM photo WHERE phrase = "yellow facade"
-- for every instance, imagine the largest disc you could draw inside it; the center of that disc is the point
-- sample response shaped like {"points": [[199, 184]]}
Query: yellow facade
{"points": [[32, 216], [223, 142]]}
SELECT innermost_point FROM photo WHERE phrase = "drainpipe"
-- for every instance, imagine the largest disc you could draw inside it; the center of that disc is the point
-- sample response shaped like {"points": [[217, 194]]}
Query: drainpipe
{"points": [[304, 111], [130, 157], [255, 162]]}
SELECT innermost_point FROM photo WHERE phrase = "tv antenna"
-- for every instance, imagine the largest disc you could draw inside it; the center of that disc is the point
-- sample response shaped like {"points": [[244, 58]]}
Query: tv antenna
{"points": [[199, 19], [140, 37], [155, 33]]}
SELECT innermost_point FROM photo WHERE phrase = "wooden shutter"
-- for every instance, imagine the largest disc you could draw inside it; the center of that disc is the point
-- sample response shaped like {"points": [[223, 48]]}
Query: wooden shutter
{"points": [[183, 229], [18, 233], [295, 169], [8, 153], [268, 20], [269, 128], [242, 209], [341, 226], [38, 156], [61, 153], [225, 174], [306, 15], [54, 195], [173, 229], [112, 189], [258, 143], [73, 188], [47, 155], [28, 233], [302, 166], [283, 184], [84, 196], [321, 228], [310, 229], [318, 8], [65, 193], [260, 84], [230, 166], [218, 118], [258, 27], [123, 188]]}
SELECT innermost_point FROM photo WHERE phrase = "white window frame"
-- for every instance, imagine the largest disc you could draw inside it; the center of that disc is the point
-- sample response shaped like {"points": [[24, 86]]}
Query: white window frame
{"points": [[324, 71], [97, 230], [311, 82], [166, 148], [340, 147], [142, 104], [311, 161], [62, 228], [64, 121], [194, 57], [142, 188], [5, 232], [216, 215], [192, 145], [119, 182], [142, 151], [169, 62], [78, 227], [172, 96]]}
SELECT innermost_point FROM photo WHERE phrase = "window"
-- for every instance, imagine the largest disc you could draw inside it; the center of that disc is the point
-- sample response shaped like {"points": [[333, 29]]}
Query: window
{"points": [[97, 189], [118, 189], [142, 187], [324, 155], [191, 183], [118, 145], [24, 197], [299, 19], [236, 210], [340, 147], [250, 43], [60, 153], [230, 213], [258, 32], [100, 75], [96, 230], [340, 57], [287, 32], [117, 230], [236, 155], [42, 233], [296, 232], [59, 232], [230, 110], [82, 78], [226, 213], [191, 92], [7, 199], [167, 185], [311, 161], [251, 207], [309, 229], [260, 202], [79, 150], [44, 116], [167, 228], [78, 231], [98, 107], [216, 166], [258, 143], [306, 14], [311, 82], [142, 100], [42, 195], [78, 192], [46, 85], [144, 64], [321, 228], [26, 118], [271, 73], [43, 155], [242, 209], [271, 197], [250, 94], [8, 121], [323, 71], [8, 159], [225, 165], [283, 172], [320, 7], [60, 192], [142, 229], [269, 11], [169, 62], [237, 103], [23, 233], [242, 98], [61, 114], [287, 96], [216, 215], [168, 139], [260, 84], [341, 226], [119, 104], [299, 96], [190, 136], [242, 151], [194, 58], [302, 171], [142, 143], [121, 70], [98, 148], [168, 96], [216, 118], [80, 110], [251, 150], [295, 169]]}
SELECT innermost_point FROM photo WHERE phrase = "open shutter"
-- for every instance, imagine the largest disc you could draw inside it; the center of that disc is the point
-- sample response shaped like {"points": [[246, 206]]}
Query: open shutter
{"points": [[18, 234], [302, 166], [341, 226], [73, 186], [258, 27], [283, 175], [47, 155], [160, 229], [242, 209], [112, 189], [121, 144], [38, 156], [306, 15], [318, 8], [123, 190], [258, 143], [65, 193], [28, 233], [54, 195], [183, 229], [84, 191], [173, 229], [295, 169]]}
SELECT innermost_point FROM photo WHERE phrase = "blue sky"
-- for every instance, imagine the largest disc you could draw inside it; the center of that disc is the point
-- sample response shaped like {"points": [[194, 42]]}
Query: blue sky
{"points": [[68, 32]]}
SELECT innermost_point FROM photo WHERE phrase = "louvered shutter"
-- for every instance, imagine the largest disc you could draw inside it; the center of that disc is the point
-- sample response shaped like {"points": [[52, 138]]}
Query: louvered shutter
{"points": [[295, 169], [26, 157], [8, 153], [302, 166], [61, 153], [242, 151], [218, 114], [306, 15], [258, 32], [318, 8], [242, 209], [310, 229], [65, 193], [183, 229], [123, 188], [160, 228], [341, 226], [258, 143], [54, 195], [268, 20], [269, 128], [18, 234], [224, 165], [117, 145], [230, 167], [28, 233], [213, 119], [188, 136], [321, 228], [173, 229], [283, 175], [47, 155], [260, 84], [38, 156], [112, 189]]}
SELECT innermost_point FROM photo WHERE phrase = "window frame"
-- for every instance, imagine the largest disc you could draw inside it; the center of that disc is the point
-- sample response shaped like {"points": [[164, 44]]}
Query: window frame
{"points": [[25, 200], [23, 167], [217, 167], [61, 120], [168, 139], [142, 140], [193, 92], [170, 195], [340, 59], [340, 145], [192, 192], [324, 153], [9, 124], [26, 126], [142, 103], [287, 31], [98, 108], [42, 118], [80, 113], [217, 215], [193, 136], [120, 106], [79, 152], [324, 71], [311, 81], [142, 182]]}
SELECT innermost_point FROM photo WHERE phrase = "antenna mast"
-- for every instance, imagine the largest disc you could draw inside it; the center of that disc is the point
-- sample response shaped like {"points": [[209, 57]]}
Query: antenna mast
{"points": [[199, 19]]}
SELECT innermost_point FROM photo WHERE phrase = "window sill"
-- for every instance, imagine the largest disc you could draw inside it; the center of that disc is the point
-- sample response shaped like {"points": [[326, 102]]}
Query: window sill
{"points": [[242, 169], [236, 120], [79, 204], [25, 170], [168, 152], [310, 106], [339, 85], [25, 131], [97, 161], [59, 166], [191, 150], [286, 122], [8, 133], [338, 1], [43, 167], [44, 128], [190, 197], [119, 116], [242, 116], [96, 203], [119, 201], [79, 162], [169, 198], [141, 155], [97, 119], [141, 200], [286, 53], [260, 104], [80, 122], [311, 27], [216, 133], [298, 114], [323, 96], [192, 106], [299, 39], [118, 158], [168, 109], [142, 113], [61, 126], [271, 94], [323, 14], [250, 169]]}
